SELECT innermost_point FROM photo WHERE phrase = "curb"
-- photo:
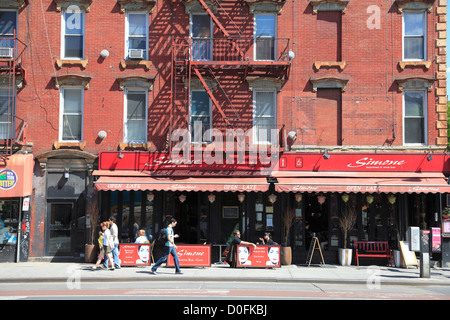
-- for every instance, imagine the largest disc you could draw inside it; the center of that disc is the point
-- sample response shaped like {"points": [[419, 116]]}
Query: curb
{"points": [[159, 278]]}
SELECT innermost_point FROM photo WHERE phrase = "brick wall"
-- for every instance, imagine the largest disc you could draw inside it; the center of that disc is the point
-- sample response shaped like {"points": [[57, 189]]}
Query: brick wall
{"points": [[370, 105]]}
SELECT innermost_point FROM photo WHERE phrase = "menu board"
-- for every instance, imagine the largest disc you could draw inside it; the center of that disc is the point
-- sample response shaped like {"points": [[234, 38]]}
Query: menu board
{"points": [[192, 256], [263, 256], [133, 254]]}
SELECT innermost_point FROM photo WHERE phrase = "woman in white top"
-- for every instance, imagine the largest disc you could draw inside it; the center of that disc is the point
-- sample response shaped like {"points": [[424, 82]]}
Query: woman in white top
{"points": [[108, 243]]}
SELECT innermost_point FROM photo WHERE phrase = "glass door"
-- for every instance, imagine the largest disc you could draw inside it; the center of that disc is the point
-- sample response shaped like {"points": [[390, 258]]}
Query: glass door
{"points": [[60, 229]]}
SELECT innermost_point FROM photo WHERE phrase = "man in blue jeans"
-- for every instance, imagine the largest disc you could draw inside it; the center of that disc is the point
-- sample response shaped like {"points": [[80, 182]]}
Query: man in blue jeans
{"points": [[170, 248]]}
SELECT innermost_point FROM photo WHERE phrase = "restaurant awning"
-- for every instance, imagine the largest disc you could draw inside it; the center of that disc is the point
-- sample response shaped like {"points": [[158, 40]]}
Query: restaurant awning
{"points": [[121, 183], [365, 182]]}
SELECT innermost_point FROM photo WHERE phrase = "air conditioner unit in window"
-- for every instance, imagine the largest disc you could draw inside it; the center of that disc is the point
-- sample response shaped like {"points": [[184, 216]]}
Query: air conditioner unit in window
{"points": [[6, 53], [136, 54]]}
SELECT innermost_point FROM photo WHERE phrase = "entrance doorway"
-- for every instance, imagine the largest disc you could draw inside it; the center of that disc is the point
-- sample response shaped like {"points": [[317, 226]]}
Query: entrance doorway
{"points": [[192, 213], [316, 219], [60, 228]]}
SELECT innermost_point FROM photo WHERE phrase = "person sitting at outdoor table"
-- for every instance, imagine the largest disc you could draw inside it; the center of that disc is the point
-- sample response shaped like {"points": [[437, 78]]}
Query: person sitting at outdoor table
{"points": [[142, 238], [267, 239], [232, 255]]}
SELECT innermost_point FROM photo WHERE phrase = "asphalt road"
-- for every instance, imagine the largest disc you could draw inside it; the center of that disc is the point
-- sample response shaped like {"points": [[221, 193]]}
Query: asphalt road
{"points": [[206, 290]]}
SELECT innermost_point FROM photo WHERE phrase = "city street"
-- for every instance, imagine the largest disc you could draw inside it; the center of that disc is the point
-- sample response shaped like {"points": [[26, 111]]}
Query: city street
{"points": [[220, 290]]}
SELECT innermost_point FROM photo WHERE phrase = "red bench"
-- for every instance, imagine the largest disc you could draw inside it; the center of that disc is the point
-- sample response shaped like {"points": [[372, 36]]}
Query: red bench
{"points": [[373, 249]]}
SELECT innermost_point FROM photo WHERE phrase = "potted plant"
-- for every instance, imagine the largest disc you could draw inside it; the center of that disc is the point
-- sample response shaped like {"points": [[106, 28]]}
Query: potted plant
{"points": [[346, 223], [286, 250], [93, 214]]}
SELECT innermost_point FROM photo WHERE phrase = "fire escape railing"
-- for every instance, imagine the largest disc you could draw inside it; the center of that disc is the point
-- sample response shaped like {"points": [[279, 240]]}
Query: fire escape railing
{"points": [[11, 131], [263, 51]]}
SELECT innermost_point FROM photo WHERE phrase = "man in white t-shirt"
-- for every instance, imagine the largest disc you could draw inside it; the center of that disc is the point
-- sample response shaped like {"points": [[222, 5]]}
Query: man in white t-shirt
{"points": [[115, 237]]}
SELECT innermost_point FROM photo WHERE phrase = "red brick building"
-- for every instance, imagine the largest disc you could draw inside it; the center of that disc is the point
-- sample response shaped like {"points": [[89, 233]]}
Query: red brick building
{"points": [[102, 85]]}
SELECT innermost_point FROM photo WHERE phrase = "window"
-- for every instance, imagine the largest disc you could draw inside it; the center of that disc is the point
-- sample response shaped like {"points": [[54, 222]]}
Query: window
{"points": [[414, 131], [7, 111], [414, 36], [71, 115], [72, 34], [200, 115], [8, 25], [136, 36], [265, 34], [264, 120], [201, 34], [135, 126]]}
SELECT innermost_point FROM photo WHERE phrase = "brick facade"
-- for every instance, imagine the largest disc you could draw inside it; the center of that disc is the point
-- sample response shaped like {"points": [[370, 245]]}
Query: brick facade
{"points": [[341, 92], [367, 40]]}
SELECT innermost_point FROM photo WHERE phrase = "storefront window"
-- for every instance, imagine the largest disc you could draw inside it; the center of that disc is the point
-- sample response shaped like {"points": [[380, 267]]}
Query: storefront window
{"points": [[133, 211], [298, 227], [203, 218], [259, 209], [9, 222]]}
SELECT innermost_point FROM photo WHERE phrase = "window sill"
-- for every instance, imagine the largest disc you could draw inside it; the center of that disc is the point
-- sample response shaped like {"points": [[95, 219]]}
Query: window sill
{"points": [[414, 64], [135, 63], [131, 145], [330, 64], [63, 145], [61, 62]]}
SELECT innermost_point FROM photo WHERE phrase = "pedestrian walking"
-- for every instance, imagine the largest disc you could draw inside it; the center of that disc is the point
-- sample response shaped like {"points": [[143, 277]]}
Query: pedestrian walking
{"points": [[115, 237], [100, 253], [170, 248], [108, 243]]}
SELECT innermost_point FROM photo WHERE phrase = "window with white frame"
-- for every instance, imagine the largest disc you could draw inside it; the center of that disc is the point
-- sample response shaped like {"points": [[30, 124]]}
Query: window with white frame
{"points": [[200, 116], [136, 42], [8, 29], [135, 122], [414, 36], [71, 114], [7, 111], [414, 117], [73, 34], [201, 32], [265, 30], [264, 116]]}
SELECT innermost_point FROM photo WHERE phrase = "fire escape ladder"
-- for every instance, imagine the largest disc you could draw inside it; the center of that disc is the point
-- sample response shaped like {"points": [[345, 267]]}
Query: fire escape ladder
{"points": [[217, 3], [224, 92], [221, 28], [213, 99]]}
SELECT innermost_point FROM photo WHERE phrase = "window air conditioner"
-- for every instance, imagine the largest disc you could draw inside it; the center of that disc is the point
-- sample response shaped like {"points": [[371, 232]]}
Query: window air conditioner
{"points": [[136, 54], [6, 53]]}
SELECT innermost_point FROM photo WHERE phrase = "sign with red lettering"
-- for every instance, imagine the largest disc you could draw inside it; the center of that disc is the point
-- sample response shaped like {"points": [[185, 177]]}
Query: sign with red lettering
{"points": [[261, 256], [192, 256], [133, 254], [157, 162]]}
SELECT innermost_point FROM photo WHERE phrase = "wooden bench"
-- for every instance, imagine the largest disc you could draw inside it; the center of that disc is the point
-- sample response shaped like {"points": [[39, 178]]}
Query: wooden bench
{"points": [[372, 249]]}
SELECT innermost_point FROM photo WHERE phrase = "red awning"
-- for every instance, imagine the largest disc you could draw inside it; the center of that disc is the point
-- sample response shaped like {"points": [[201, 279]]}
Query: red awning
{"points": [[411, 183], [16, 175], [121, 183]]}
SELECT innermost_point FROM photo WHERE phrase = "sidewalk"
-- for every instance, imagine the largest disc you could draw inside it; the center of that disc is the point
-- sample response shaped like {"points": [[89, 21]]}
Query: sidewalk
{"points": [[58, 272]]}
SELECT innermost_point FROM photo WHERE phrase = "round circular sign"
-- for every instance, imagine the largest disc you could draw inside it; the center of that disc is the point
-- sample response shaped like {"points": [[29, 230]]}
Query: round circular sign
{"points": [[8, 179]]}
